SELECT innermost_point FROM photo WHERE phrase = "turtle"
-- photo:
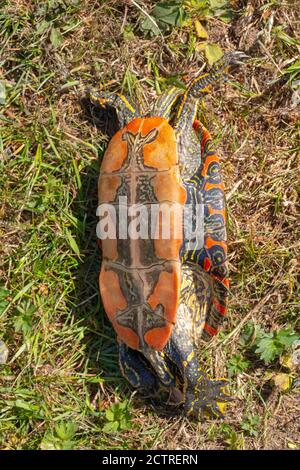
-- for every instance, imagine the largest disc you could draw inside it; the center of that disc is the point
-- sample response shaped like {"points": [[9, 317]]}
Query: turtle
{"points": [[165, 295]]}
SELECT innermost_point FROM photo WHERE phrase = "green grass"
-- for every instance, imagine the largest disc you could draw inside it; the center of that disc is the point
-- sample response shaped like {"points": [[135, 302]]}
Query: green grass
{"points": [[61, 386]]}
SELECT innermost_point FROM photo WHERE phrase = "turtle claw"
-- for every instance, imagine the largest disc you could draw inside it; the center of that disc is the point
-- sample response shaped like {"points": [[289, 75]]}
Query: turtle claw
{"points": [[89, 92], [235, 58], [95, 97], [207, 399]]}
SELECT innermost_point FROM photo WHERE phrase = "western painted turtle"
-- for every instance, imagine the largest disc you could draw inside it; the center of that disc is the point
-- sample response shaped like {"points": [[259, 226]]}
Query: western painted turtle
{"points": [[164, 295]]}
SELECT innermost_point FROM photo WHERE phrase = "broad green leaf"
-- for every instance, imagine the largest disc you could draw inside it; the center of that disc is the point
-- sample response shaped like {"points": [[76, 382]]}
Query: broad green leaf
{"points": [[123, 405], [286, 336], [271, 345], [250, 425], [118, 417], [283, 381], [110, 415], [128, 33], [200, 30], [42, 26], [150, 27], [286, 360], [56, 37], [267, 349], [25, 405], [111, 427], [213, 53], [65, 431], [165, 16], [53, 442], [24, 317], [237, 364], [221, 9], [226, 17], [23, 324], [217, 4], [3, 293], [170, 13], [125, 424]]}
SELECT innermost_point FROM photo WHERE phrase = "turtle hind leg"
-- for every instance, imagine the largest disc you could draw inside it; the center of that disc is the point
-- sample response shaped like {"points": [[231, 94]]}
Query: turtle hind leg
{"points": [[170, 385], [202, 396], [126, 110]]}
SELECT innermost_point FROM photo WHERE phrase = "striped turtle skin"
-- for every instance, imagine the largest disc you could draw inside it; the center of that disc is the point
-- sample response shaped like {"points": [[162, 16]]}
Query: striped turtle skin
{"points": [[164, 294]]}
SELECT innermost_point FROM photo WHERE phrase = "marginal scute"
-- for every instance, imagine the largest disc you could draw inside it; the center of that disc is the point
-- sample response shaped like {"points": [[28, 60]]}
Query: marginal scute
{"points": [[127, 335], [108, 185], [110, 249], [109, 283], [158, 337], [115, 154]]}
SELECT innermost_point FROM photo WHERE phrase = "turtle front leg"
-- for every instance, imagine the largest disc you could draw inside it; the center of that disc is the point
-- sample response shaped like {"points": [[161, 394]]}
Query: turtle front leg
{"points": [[126, 110], [200, 86], [165, 103], [201, 83], [188, 108]]}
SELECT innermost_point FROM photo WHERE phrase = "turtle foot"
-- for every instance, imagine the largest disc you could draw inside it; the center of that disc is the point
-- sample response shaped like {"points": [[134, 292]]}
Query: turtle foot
{"points": [[207, 399], [235, 58]]}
